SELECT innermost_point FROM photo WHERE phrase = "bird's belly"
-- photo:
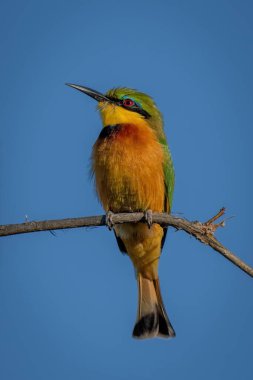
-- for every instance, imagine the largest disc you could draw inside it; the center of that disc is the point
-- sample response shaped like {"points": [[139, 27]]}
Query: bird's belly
{"points": [[143, 246], [126, 188], [128, 171]]}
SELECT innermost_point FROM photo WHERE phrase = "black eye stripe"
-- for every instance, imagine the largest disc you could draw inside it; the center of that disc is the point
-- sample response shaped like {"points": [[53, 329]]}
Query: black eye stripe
{"points": [[138, 110], [134, 108], [114, 100]]}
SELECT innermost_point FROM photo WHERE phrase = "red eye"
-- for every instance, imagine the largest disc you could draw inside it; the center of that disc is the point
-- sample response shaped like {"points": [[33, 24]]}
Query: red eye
{"points": [[128, 103]]}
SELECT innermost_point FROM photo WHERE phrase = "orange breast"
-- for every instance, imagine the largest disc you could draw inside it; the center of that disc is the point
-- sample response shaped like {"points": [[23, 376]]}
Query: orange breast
{"points": [[127, 161]]}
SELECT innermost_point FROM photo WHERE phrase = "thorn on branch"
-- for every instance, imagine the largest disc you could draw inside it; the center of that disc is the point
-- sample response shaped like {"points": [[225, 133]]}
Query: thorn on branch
{"points": [[215, 217], [209, 227]]}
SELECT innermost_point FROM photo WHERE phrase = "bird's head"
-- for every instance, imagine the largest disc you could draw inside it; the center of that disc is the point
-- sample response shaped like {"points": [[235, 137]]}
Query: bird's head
{"points": [[125, 105]]}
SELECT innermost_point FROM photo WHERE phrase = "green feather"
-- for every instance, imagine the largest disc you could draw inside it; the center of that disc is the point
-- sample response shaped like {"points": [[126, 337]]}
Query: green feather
{"points": [[169, 179]]}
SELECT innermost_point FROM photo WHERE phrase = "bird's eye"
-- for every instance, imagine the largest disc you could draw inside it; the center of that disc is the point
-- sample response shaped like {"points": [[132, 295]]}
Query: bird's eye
{"points": [[128, 103]]}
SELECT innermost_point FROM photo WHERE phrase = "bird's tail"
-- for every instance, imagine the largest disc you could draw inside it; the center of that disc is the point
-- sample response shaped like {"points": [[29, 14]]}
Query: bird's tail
{"points": [[152, 319]]}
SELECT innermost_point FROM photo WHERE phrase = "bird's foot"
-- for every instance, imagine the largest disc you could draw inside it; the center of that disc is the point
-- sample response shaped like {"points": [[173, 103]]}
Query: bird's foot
{"points": [[148, 215], [109, 219]]}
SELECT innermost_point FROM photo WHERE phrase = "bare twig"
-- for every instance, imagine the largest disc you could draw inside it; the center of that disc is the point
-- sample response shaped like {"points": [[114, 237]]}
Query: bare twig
{"points": [[204, 232], [215, 217]]}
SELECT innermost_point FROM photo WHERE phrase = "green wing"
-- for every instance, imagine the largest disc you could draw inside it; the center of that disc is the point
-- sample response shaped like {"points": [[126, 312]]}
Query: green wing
{"points": [[169, 178]]}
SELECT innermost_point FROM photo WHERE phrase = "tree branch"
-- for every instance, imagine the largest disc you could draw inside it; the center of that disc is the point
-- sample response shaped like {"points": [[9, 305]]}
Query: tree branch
{"points": [[204, 232]]}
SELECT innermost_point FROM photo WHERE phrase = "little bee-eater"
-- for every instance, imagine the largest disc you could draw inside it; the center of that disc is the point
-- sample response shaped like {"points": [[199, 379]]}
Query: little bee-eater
{"points": [[133, 172]]}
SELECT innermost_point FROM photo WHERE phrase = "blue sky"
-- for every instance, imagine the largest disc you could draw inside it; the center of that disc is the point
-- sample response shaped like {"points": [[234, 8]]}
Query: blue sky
{"points": [[68, 303]]}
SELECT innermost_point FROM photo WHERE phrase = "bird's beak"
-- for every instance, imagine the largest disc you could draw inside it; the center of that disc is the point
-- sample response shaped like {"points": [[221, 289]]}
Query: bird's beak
{"points": [[92, 93]]}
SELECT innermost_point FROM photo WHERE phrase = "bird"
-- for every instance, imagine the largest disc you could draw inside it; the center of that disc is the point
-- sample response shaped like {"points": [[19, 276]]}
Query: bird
{"points": [[134, 172]]}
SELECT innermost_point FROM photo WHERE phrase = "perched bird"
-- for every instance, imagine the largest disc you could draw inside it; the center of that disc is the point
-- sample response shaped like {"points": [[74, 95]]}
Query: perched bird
{"points": [[133, 172]]}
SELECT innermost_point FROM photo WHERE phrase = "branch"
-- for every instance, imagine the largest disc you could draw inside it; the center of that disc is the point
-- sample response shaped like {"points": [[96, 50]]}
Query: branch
{"points": [[204, 232]]}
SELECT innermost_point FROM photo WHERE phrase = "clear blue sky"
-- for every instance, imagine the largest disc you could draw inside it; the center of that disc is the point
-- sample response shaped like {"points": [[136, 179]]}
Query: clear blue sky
{"points": [[68, 303]]}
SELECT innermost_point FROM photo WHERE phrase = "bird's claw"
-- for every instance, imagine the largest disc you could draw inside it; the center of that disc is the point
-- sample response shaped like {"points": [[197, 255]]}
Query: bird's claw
{"points": [[149, 217], [108, 220]]}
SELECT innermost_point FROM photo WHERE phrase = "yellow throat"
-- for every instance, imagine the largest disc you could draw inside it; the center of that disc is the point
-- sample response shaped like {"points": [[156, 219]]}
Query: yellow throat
{"points": [[112, 114]]}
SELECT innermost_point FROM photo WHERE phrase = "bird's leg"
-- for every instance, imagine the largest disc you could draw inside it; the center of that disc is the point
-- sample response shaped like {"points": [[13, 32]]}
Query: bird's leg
{"points": [[148, 215], [108, 219]]}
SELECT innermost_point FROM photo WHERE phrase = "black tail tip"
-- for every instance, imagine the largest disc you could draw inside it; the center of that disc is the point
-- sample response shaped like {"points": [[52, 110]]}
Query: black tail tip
{"points": [[152, 325], [165, 328], [146, 327]]}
